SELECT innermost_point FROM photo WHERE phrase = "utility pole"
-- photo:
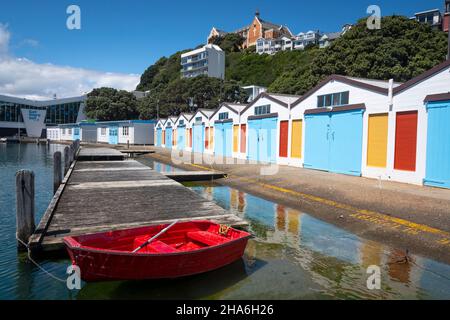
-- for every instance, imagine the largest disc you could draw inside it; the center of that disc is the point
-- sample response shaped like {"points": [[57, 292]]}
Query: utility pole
{"points": [[157, 109], [448, 33]]}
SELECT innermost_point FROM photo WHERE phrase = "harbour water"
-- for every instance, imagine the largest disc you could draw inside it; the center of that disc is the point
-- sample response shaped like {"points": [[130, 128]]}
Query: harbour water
{"points": [[292, 256]]}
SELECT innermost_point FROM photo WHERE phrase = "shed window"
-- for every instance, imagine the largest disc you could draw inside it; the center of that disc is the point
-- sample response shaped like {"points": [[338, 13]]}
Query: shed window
{"points": [[333, 99], [69, 131], [181, 122], [198, 120], [103, 132], [265, 109], [125, 131], [223, 115]]}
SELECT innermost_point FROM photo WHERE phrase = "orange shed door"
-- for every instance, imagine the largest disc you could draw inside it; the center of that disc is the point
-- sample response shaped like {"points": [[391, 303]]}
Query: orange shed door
{"points": [[284, 137], [406, 141], [243, 137], [235, 138], [296, 139], [377, 140]]}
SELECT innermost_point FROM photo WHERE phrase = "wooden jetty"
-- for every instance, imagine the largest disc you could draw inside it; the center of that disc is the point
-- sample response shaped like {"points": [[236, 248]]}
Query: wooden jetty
{"points": [[97, 196], [183, 176], [100, 154]]}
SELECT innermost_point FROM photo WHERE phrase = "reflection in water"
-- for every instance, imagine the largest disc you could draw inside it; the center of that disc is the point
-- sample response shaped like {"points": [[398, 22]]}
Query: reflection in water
{"points": [[334, 260], [158, 166]]}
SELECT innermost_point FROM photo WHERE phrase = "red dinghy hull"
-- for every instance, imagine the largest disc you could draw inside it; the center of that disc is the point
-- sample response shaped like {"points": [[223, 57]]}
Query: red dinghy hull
{"points": [[185, 249]]}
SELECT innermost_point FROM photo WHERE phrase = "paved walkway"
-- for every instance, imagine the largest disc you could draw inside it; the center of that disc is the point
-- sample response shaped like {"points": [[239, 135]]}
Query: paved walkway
{"points": [[402, 215]]}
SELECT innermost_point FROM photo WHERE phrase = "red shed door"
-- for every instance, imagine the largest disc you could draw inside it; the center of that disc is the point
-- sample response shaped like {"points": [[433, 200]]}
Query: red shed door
{"points": [[406, 141], [284, 134]]}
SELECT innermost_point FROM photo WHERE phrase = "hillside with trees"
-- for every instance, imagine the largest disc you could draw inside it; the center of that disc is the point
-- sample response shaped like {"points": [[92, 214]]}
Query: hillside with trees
{"points": [[401, 49]]}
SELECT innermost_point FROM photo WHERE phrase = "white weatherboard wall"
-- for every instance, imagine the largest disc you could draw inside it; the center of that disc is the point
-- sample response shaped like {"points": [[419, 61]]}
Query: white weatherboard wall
{"points": [[66, 133], [125, 138], [54, 134], [283, 114], [103, 134], [408, 100]]}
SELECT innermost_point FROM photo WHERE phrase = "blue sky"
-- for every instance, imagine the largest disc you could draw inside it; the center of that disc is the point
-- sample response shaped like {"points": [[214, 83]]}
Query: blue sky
{"points": [[127, 36]]}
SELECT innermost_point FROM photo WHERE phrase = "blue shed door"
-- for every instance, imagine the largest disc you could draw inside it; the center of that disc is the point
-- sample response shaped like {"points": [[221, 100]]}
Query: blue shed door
{"points": [[198, 140], [218, 139], [181, 138], [113, 135], [158, 137], [169, 138], [76, 134], [262, 139], [252, 149], [317, 146], [438, 145], [346, 142], [268, 140], [227, 139]]}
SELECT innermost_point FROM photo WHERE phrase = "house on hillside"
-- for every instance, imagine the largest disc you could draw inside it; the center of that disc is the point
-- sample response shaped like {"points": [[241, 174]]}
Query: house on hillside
{"points": [[258, 29], [214, 33], [434, 17], [328, 38]]}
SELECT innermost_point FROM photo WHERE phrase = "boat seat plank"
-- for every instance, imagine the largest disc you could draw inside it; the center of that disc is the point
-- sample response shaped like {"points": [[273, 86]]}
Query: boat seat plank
{"points": [[206, 237]]}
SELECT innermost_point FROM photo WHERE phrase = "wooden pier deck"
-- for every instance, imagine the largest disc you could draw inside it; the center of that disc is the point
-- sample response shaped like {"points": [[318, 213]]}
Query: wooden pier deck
{"points": [[111, 195], [100, 154]]}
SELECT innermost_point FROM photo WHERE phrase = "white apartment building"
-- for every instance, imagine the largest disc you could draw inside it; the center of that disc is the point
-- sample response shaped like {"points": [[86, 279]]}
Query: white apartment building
{"points": [[300, 42], [209, 61], [254, 91], [272, 46]]}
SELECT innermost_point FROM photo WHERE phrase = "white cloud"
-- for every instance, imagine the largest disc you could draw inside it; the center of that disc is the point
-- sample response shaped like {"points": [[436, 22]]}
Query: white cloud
{"points": [[24, 78]]}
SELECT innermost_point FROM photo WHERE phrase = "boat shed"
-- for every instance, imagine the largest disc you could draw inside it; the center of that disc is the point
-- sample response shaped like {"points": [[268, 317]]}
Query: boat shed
{"points": [[229, 134], [159, 131], [182, 130], [169, 127], [419, 129], [135, 132], [267, 120], [202, 139], [341, 126]]}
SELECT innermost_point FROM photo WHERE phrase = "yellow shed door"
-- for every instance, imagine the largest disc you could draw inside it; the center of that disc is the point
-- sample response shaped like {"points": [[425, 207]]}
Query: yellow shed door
{"points": [[377, 140], [236, 138], [296, 143]]}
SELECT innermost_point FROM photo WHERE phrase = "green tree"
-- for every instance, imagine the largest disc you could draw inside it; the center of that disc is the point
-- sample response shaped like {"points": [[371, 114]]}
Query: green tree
{"points": [[231, 42], [108, 104]]}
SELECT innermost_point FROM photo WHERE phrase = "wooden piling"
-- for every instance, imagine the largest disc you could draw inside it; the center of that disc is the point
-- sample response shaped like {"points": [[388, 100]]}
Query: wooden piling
{"points": [[25, 225], [66, 160], [57, 172]]}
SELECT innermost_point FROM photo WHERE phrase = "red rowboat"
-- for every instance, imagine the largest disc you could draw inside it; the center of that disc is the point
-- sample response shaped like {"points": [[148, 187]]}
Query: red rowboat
{"points": [[186, 248]]}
